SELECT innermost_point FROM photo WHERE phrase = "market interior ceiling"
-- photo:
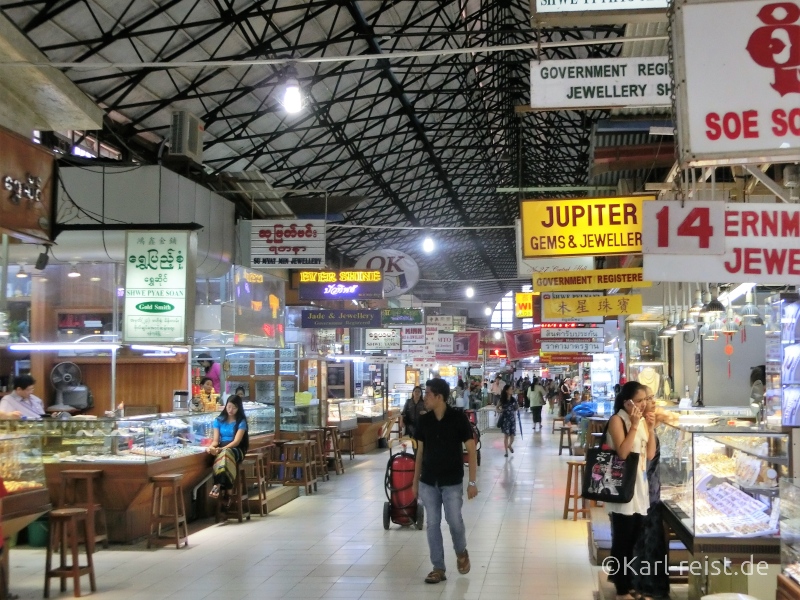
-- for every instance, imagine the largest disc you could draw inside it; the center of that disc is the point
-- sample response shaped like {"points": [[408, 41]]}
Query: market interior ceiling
{"points": [[407, 143]]}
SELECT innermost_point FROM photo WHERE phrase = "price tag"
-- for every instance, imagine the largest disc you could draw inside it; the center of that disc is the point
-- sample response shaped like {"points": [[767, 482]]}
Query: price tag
{"points": [[694, 228]]}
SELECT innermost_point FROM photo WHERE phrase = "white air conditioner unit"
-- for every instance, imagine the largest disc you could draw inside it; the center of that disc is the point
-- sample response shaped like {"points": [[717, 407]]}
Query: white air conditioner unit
{"points": [[186, 136]]}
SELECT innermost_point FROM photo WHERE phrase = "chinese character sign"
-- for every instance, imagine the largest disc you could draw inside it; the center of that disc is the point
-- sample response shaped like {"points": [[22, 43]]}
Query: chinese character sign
{"points": [[591, 306], [157, 266]]}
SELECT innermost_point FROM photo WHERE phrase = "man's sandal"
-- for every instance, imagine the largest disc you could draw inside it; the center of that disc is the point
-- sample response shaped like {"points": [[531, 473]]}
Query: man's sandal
{"points": [[214, 493], [436, 576]]}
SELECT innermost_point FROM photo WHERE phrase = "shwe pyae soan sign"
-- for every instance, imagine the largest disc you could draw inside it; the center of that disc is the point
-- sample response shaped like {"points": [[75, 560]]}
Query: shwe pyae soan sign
{"points": [[600, 83]]}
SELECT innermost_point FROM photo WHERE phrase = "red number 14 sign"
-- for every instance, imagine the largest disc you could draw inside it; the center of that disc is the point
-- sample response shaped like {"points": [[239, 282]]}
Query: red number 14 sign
{"points": [[691, 228]]}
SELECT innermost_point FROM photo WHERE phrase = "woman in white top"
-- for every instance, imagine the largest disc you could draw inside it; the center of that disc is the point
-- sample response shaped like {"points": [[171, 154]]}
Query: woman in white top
{"points": [[629, 432]]}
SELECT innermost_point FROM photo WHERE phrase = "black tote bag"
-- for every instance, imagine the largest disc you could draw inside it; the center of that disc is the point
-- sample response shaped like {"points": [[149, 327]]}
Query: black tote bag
{"points": [[609, 478]]}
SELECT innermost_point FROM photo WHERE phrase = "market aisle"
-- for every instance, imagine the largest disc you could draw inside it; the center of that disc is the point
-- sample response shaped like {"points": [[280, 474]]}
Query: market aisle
{"points": [[333, 545]]}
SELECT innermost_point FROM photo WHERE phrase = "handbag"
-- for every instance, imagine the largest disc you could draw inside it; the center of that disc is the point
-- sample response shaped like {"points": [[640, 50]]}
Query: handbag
{"points": [[609, 478]]}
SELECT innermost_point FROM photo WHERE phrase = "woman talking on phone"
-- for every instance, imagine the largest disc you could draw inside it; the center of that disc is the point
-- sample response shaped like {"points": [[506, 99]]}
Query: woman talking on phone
{"points": [[629, 432]]}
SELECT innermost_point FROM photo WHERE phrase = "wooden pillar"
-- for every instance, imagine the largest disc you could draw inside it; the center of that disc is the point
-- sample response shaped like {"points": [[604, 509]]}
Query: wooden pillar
{"points": [[44, 328]]}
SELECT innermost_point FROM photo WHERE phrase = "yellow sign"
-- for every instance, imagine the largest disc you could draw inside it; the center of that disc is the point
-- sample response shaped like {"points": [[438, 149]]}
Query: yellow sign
{"points": [[595, 226], [591, 306], [523, 305], [447, 371], [340, 276], [604, 279]]}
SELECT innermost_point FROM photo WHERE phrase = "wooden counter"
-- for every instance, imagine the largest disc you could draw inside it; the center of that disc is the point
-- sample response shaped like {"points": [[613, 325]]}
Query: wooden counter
{"points": [[366, 435], [19, 510]]}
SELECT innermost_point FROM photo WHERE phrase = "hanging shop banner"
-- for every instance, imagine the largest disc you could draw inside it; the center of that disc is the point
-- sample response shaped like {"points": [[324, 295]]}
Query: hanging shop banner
{"points": [[444, 343], [459, 323], [259, 307], [760, 244], [603, 279], [522, 343], [573, 13], [717, 123], [523, 305], [327, 319], [412, 335], [572, 346], [465, 348], [27, 178], [600, 83], [530, 266], [395, 317], [550, 358], [684, 228], [400, 271], [340, 285], [287, 244], [157, 269], [569, 318], [578, 333], [441, 321], [382, 339], [590, 306], [425, 352], [581, 226]]}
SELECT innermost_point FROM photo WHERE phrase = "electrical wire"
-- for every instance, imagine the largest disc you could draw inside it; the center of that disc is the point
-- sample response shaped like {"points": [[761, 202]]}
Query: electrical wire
{"points": [[97, 218]]}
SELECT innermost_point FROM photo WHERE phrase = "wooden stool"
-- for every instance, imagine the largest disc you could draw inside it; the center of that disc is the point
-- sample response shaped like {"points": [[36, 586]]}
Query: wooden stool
{"points": [[240, 498], [557, 420], [299, 466], [333, 450], [574, 483], [172, 485], [277, 463], [561, 445], [71, 497], [318, 437], [348, 437], [63, 533], [257, 477]]}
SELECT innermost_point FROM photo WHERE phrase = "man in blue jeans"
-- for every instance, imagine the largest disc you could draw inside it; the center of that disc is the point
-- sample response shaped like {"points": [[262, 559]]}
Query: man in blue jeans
{"points": [[439, 474]]}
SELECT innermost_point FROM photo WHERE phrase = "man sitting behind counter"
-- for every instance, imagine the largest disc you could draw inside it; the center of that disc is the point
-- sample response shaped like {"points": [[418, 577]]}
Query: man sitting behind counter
{"points": [[21, 403]]}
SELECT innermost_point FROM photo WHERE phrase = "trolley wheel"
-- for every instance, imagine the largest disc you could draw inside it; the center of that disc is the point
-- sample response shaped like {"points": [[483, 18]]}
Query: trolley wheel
{"points": [[420, 516], [478, 453], [386, 509]]}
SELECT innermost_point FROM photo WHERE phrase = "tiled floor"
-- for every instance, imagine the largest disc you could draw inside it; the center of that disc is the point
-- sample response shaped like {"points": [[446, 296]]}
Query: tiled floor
{"points": [[333, 545]]}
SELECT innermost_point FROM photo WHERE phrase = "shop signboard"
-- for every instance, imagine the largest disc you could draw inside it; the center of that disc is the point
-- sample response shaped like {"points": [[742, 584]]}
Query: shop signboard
{"points": [[564, 359], [335, 318], [27, 178], [400, 270], [717, 123], [259, 309], [157, 268], [603, 279], [340, 285], [600, 83], [523, 305], [287, 244], [412, 335], [382, 339], [557, 317], [396, 317], [522, 343], [731, 242], [426, 351], [583, 226], [444, 343], [459, 323], [465, 348], [582, 333], [590, 306], [442, 321], [572, 346], [572, 13], [530, 266]]}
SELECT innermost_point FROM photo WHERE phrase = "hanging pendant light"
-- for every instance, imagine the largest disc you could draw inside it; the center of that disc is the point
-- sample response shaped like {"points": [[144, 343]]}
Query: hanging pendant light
{"points": [[713, 308], [731, 324], [750, 313], [663, 333], [695, 309], [292, 94]]}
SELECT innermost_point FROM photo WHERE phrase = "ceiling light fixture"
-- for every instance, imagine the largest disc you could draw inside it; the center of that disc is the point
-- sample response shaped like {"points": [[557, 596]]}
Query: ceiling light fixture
{"points": [[497, 335], [73, 272], [713, 308], [488, 311], [292, 94], [22, 274], [428, 245], [469, 292]]}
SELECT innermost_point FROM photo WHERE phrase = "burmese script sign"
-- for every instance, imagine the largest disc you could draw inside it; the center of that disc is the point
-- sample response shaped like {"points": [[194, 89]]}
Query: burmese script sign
{"points": [[287, 244], [600, 83], [156, 273], [581, 226], [597, 12]]}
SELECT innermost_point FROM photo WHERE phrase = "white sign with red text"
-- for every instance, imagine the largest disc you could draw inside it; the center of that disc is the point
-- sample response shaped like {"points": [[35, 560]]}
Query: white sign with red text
{"points": [[740, 103], [413, 335], [287, 244], [683, 228], [444, 343], [761, 244]]}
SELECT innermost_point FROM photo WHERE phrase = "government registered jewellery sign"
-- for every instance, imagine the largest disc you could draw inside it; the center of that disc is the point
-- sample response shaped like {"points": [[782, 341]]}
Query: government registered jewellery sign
{"points": [[600, 83], [754, 115]]}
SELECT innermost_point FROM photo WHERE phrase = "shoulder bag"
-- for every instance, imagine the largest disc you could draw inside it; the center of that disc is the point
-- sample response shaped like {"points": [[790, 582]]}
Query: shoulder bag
{"points": [[609, 478]]}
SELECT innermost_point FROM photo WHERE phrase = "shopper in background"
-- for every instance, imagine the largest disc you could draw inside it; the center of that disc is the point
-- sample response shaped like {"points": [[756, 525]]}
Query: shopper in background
{"points": [[229, 444], [461, 401], [212, 369], [497, 387], [21, 403], [439, 475], [507, 409], [650, 576], [413, 409], [239, 391], [536, 400], [552, 395], [627, 432], [526, 385]]}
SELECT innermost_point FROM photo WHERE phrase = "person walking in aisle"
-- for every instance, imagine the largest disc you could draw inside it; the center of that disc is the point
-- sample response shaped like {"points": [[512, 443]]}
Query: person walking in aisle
{"points": [[497, 387], [536, 398], [439, 475], [508, 418], [627, 432], [412, 411]]}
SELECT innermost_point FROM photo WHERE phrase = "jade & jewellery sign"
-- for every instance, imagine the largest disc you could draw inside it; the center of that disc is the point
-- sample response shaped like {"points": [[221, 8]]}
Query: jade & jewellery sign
{"points": [[158, 265]]}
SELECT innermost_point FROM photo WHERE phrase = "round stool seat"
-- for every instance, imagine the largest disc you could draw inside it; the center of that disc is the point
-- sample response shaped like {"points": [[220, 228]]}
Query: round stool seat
{"points": [[68, 513]]}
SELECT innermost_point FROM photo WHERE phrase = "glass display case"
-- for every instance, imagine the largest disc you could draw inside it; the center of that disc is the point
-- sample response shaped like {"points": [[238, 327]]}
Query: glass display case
{"points": [[132, 440], [21, 465], [342, 413], [722, 481], [782, 393], [647, 356], [790, 528], [369, 410], [300, 417]]}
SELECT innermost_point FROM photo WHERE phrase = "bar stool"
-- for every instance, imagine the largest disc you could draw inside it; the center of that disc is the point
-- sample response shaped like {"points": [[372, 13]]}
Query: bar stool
{"points": [[239, 497], [71, 497], [335, 452], [557, 420], [573, 492], [317, 436], [348, 437], [277, 463], [561, 445], [171, 484], [257, 477], [63, 533], [299, 467]]}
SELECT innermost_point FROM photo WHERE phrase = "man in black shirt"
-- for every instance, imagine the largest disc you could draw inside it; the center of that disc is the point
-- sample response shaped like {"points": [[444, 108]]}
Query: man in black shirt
{"points": [[439, 474]]}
